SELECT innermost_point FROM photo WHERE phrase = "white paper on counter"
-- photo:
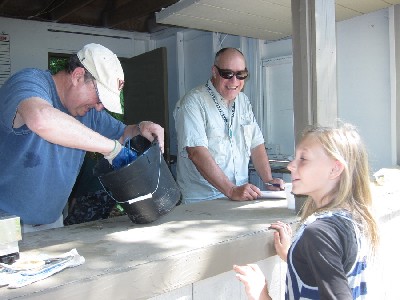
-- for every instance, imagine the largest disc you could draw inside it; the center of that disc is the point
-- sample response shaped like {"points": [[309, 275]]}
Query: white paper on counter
{"points": [[16, 277], [272, 195]]}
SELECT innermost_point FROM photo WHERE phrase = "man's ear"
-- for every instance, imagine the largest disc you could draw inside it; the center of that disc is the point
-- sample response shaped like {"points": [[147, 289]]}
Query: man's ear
{"points": [[78, 74], [214, 72], [337, 169]]}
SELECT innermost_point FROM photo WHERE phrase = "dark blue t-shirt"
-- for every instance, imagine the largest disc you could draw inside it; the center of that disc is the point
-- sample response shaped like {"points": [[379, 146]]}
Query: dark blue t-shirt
{"points": [[36, 177]]}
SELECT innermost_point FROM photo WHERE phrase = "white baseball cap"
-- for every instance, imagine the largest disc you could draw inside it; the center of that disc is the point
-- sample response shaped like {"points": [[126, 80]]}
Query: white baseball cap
{"points": [[105, 67]]}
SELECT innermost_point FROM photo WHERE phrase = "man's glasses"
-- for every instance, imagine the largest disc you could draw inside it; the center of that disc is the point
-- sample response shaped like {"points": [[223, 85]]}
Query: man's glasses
{"points": [[97, 92], [228, 74]]}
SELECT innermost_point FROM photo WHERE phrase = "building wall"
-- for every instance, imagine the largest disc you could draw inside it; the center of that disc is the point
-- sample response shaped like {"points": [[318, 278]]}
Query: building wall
{"points": [[363, 72], [31, 41]]}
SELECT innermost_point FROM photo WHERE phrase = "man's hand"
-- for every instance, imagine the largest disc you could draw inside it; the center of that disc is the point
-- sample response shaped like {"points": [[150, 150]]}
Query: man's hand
{"points": [[244, 192], [151, 131], [275, 184]]}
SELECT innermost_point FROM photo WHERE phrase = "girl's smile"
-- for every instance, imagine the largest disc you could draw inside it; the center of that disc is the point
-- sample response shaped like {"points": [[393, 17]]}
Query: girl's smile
{"points": [[313, 171]]}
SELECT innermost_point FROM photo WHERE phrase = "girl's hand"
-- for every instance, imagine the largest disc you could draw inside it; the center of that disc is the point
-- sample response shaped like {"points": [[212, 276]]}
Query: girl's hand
{"points": [[282, 238], [254, 281]]}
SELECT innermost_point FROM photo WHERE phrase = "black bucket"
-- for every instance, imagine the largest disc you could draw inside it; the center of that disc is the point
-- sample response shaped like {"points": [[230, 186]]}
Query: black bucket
{"points": [[145, 188]]}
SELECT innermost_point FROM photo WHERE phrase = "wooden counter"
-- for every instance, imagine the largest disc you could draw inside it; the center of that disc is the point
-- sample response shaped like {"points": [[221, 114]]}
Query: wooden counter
{"points": [[191, 243]]}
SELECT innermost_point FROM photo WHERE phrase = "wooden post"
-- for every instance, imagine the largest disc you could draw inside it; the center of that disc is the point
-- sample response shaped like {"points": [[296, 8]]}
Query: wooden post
{"points": [[314, 63]]}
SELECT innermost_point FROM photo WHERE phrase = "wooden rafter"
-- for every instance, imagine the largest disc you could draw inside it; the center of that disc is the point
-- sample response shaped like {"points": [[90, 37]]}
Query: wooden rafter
{"points": [[134, 10], [67, 8]]}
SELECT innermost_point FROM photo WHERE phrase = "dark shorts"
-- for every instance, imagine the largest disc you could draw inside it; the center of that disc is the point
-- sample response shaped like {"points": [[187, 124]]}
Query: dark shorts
{"points": [[91, 207]]}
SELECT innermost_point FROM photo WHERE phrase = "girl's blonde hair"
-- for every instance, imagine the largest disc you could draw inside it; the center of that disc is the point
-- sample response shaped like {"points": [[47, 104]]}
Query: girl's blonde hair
{"points": [[343, 143]]}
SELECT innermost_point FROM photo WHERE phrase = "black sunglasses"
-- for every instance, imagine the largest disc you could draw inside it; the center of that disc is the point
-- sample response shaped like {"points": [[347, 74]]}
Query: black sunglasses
{"points": [[228, 74]]}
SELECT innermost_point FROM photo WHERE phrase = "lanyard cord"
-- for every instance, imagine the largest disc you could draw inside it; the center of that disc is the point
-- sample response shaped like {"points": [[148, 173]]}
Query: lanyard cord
{"points": [[221, 112]]}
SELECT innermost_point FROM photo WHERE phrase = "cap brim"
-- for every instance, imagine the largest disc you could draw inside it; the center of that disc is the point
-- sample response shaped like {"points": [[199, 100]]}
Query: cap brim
{"points": [[109, 99]]}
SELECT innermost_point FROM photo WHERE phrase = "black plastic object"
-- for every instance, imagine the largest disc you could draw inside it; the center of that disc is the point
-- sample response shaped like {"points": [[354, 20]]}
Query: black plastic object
{"points": [[147, 183], [9, 259]]}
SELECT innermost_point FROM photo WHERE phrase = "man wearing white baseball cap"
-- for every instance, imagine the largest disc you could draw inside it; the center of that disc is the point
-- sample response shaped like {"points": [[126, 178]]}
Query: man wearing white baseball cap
{"points": [[48, 122], [106, 69]]}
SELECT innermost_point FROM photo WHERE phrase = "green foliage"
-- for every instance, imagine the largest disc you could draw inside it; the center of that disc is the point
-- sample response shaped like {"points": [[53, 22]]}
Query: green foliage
{"points": [[57, 64], [119, 116]]}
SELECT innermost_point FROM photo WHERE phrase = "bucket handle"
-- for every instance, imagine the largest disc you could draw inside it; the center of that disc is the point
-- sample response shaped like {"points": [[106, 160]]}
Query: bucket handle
{"points": [[139, 198]]}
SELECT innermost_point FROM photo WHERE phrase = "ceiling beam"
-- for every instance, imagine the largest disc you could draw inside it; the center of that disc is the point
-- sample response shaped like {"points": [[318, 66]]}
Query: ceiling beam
{"points": [[67, 8], [134, 9]]}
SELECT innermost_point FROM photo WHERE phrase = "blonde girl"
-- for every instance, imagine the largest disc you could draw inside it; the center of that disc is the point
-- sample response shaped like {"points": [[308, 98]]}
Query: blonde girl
{"points": [[327, 257]]}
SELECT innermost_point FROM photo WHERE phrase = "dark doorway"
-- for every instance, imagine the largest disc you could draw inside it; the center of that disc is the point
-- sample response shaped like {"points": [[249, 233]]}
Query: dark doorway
{"points": [[146, 90]]}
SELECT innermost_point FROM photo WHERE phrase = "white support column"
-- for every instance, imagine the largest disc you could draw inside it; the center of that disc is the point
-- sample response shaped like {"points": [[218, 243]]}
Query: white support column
{"points": [[151, 45], [394, 40], [251, 50], [325, 85], [314, 63], [180, 59], [216, 45]]}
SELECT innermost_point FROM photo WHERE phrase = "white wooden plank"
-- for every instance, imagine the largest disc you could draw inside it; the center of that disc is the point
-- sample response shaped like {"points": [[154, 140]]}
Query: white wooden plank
{"points": [[325, 97], [344, 13], [263, 19], [230, 28], [364, 6], [267, 9]]}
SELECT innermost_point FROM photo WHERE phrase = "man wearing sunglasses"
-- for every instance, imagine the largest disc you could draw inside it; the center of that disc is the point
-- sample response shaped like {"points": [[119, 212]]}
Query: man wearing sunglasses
{"points": [[48, 122], [218, 134]]}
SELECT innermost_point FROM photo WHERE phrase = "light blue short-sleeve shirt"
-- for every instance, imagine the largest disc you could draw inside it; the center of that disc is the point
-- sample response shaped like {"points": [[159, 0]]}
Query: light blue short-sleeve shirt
{"points": [[198, 122]]}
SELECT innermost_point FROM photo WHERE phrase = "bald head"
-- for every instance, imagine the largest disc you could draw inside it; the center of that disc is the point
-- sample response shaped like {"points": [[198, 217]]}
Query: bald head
{"points": [[227, 54]]}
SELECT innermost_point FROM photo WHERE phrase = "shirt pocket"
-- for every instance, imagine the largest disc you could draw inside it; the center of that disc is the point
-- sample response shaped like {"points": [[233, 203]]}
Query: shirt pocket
{"points": [[217, 144], [248, 130]]}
